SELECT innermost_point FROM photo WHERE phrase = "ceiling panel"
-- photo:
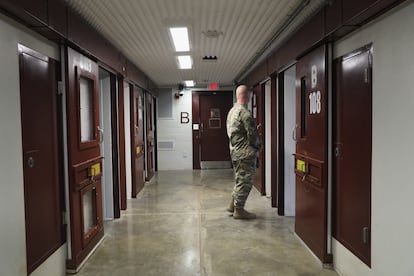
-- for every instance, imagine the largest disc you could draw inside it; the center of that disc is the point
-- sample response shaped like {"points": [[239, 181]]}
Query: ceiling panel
{"points": [[139, 28]]}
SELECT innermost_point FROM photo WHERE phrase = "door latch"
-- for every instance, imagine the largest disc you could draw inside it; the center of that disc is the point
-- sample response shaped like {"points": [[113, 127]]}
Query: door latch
{"points": [[30, 162], [365, 235], [337, 151], [60, 88]]}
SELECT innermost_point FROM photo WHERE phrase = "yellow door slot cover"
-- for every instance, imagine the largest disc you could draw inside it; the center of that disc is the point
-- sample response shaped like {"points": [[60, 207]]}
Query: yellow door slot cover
{"points": [[301, 166], [96, 169], [138, 150]]}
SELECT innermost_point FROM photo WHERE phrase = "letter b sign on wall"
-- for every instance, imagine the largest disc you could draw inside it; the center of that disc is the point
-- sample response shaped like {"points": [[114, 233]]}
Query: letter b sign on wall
{"points": [[185, 117]]}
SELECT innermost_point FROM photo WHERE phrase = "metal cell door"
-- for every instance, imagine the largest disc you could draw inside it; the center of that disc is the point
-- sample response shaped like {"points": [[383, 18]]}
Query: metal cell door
{"points": [[42, 186], [311, 157], [137, 140], [85, 166], [214, 143], [353, 152]]}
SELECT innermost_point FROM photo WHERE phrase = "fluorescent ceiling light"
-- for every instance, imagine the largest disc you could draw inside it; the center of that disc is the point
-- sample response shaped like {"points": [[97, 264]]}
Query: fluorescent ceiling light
{"points": [[180, 39], [189, 83], [185, 62]]}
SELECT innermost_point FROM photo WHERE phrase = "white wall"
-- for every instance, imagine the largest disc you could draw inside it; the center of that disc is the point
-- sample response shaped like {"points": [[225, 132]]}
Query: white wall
{"points": [[12, 230], [268, 138], [392, 139], [106, 148], [55, 265], [181, 157], [127, 121], [290, 144]]}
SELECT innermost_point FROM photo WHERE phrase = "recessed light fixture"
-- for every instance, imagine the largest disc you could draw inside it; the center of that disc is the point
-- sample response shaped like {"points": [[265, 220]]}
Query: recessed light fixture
{"points": [[189, 83], [185, 62], [180, 39]]}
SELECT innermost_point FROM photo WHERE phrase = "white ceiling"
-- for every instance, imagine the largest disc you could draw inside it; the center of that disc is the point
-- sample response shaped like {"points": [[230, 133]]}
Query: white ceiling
{"points": [[139, 28]]}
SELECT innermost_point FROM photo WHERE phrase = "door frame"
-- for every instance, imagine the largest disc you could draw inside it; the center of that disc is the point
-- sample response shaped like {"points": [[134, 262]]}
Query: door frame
{"points": [[116, 168], [115, 141], [121, 144], [278, 164], [278, 131], [149, 118], [275, 135], [261, 158]]}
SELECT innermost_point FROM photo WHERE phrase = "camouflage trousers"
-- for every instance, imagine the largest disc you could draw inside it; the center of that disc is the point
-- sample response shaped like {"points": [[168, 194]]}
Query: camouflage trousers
{"points": [[244, 170]]}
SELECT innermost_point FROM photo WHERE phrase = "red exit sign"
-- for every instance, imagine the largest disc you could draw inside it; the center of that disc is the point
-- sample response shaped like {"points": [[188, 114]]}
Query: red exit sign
{"points": [[213, 86]]}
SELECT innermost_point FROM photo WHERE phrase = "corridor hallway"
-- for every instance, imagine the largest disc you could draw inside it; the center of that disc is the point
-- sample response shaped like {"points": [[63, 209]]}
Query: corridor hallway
{"points": [[178, 226]]}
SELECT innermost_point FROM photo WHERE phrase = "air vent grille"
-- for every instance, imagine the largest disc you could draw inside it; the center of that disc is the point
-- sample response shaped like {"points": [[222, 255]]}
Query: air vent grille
{"points": [[210, 58], [166, 145], [212, 33]]}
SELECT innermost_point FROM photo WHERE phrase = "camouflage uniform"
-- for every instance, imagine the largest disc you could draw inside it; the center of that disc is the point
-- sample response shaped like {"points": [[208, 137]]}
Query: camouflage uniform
{"points": [[244, 147]]}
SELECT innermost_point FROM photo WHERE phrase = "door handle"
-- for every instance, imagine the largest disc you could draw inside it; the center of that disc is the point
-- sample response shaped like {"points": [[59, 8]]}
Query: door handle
{"points": [[30, 162], [101, 138], [294, 132]]}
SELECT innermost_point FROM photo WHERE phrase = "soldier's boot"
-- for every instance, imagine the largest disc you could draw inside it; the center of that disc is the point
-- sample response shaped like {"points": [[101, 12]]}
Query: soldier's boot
{"points": [[231, 206], [240, 213]]}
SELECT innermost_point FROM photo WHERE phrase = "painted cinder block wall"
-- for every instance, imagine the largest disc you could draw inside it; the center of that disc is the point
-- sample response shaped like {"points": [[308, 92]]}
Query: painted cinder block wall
{"points": [[181, 156], [392, 239], [12, 228]]}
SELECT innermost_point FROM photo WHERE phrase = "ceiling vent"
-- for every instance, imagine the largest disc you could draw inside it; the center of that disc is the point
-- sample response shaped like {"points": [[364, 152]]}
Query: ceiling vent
{"points": [[210, 58], [212, 33]]}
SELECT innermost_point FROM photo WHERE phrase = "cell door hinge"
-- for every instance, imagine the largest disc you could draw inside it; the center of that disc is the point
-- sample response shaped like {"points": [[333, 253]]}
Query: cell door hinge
{"points": [[65, 218], [60, 88], [367, 75], [370, 59]]}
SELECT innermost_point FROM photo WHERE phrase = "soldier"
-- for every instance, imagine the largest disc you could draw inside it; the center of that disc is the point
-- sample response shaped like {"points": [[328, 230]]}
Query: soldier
{"points": [[244, 147]]}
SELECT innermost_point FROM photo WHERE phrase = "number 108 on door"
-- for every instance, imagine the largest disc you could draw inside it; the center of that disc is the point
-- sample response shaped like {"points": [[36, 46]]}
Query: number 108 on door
{"points": [[315, 102]]}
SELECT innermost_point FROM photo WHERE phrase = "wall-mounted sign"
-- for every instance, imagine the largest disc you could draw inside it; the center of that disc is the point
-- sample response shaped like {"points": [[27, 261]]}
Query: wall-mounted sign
{"points": [[185, 117], [213, 86]]}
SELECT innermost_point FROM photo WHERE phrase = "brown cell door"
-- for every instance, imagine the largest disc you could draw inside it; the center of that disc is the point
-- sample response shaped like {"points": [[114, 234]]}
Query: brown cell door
{"points": [[214, 142], [150, 136], [353, 151], [311, 152], [137, 140], [85, 166], [258, 114], [42, 185]]}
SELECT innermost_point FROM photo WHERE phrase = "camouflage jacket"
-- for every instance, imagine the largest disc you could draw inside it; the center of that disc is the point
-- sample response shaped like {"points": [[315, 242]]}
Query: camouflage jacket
{"points": [[243, 135]]}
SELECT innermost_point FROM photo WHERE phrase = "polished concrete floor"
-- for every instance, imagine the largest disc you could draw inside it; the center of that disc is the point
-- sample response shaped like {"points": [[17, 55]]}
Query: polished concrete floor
{"points": [[178, 226]]}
